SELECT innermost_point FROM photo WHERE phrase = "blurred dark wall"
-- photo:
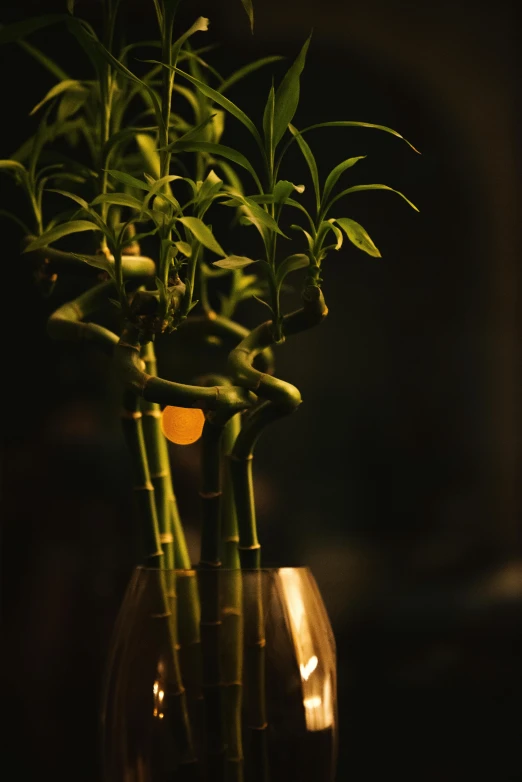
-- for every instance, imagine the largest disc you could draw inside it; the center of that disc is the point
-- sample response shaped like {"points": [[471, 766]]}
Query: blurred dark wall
{"points": [[398, 478]]}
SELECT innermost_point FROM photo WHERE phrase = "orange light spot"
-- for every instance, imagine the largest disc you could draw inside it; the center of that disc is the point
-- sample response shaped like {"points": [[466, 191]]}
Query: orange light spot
{"points": [[182, 425]]}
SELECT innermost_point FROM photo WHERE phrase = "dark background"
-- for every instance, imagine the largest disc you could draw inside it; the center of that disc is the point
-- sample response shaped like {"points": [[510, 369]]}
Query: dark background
{"points": [[397, 480]]}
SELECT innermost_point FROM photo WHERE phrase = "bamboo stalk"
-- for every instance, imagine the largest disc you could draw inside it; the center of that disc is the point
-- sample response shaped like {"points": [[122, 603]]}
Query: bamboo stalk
{"points": [[133, 266], [209, 585], [158, 457], [184, 594], [152, 555], [281, 399], [232, 615], [223, 398]]}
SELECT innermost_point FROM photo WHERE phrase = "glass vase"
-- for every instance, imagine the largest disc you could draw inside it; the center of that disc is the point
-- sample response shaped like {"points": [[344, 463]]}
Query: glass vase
{"points": [[221, 676]]}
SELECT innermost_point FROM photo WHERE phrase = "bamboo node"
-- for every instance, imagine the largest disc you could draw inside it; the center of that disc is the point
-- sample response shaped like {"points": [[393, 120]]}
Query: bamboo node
{"points": [[164, 615], [166, 537], [235, 458], [162, 474], [261, 643], [232, 684], [132, 415], [249, 548], [231, 539], [209, 563], [231, 611], [264, 726], [210, 623], [146, 487], [152, 413]]}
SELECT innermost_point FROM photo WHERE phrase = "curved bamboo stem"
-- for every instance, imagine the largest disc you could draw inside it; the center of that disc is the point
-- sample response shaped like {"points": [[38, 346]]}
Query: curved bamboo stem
{"points": [[133, 266], [67, 321], [220, 398], [281, 398]]}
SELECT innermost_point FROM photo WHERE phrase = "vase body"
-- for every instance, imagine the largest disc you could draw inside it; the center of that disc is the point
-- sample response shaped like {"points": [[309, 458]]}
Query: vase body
{"points": [[221, 676]]}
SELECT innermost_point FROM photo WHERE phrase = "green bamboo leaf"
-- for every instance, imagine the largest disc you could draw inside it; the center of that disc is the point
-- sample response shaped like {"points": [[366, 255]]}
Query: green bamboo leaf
{"points": [[358, 236], [246, 70], [127, 179], [268, 125], [13, 32], [100, 54], [283, 189], [270, 199], [201, 24], [160, 183], [217, 149], [202, 233], [194, 132], [360, 188], [255, 213], [225, 103], [338, 234], [15, 219], [86, 37], [124, 135], [233, 262], [209, 189], [262, 301], [72, 227], [336, 172], [98, 262], [346, 124], [249, 8], [287, 94], [40, 139], [58, 89], [118, 199], [184, 248], [70, 103], [148, 149], [233, 181], [310, 160], [189, 96], [290, 264], [309, 239], [190, 55], [14, 167], [164, 203], [44, 60], [81, 201]]}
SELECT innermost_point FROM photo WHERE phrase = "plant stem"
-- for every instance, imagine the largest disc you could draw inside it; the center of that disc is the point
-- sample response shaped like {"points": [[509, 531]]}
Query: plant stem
{"points": [[175, 702], [209, 583], [149, 532], [224, 398], [232, 615], [66, 322], [158, 462], [281, 399]]}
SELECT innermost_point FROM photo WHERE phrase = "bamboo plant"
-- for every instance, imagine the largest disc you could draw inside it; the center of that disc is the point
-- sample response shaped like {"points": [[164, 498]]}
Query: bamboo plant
{"points": [[153, 170]]}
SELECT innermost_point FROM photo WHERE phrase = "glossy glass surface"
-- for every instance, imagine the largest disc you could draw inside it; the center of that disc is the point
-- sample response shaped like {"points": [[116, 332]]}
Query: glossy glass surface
{"points": [[222, 676]]}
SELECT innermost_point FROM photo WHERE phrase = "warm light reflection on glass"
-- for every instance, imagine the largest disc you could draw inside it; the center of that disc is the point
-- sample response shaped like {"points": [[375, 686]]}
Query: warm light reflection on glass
{"points": [[309, 667], [315, 677], [159, 694]]}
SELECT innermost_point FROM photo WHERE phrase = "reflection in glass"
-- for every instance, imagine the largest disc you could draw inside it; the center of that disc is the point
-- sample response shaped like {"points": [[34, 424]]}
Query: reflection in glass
{"points": [[226, 676]]}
